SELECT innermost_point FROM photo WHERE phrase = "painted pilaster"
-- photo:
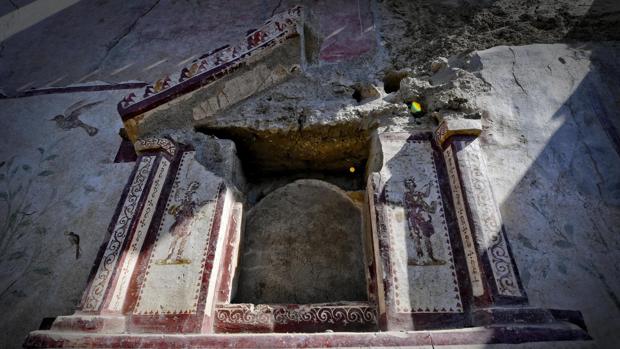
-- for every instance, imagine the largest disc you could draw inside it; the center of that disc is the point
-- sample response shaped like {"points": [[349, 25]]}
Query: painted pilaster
{"points": [[101, 306], [128, 213], [133, 250], [492, 272], [422, 284]]}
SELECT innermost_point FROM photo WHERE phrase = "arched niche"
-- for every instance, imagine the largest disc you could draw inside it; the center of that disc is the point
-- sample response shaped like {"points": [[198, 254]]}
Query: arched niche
{"points": [[303, 244]]}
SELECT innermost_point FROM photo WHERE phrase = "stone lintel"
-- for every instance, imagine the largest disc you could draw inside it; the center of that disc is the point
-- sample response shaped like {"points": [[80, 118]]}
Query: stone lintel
{"points": [[457, 126]]}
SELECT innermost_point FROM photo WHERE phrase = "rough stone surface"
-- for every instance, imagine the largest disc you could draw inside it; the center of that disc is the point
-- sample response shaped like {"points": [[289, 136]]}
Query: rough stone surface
{"points": [[416, 32], [311, 122], [302, 244]]}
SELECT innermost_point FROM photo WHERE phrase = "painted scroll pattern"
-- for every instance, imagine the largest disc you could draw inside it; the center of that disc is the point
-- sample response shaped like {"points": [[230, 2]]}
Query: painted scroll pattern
{"points": [[173, 277], [486, 218], [471, 256], [422, 271], [267, 314], [277, 27], [441, 133], [135, 247], [155, 143], [119, 234]]}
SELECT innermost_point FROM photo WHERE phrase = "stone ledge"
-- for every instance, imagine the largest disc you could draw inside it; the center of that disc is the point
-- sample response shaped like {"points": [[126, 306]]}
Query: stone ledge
{"points": [[469, 336], [90, 323], [494, 316]]}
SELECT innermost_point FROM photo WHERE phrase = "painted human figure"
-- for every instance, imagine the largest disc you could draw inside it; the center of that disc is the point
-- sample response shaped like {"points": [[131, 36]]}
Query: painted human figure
{"points": [[420, 223], [181, 228]]}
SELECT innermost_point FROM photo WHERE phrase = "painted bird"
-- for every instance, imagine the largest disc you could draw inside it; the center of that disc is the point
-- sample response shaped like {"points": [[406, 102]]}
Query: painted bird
{"points": [[71, 118]]}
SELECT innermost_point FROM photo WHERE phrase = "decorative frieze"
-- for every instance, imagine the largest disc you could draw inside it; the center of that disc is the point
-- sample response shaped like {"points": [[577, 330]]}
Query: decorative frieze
{"points": [[249, 314], [212, 65], [155, 143]]}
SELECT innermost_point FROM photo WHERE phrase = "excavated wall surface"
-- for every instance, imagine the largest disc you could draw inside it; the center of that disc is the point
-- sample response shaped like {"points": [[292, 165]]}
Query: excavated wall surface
{"points": [[549, 113]]}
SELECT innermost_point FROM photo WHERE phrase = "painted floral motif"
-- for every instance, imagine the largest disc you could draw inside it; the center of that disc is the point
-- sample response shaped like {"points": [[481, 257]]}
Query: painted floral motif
{"points": [[23, 208]]}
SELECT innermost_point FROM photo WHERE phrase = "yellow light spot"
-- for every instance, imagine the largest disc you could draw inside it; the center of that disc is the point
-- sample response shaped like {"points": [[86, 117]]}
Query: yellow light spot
{"points": [[416, 107], [351, 169]]}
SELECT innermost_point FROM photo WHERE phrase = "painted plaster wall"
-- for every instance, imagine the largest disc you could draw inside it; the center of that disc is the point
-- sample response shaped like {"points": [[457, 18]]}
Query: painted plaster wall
{"points": [[53, 183], [145, 40], [551, 142]]}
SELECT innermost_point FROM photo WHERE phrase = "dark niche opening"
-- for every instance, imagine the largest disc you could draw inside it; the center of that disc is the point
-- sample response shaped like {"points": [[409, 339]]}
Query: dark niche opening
{"points": [[391, 80], [303, 240], [314, 151], [302, 244]]}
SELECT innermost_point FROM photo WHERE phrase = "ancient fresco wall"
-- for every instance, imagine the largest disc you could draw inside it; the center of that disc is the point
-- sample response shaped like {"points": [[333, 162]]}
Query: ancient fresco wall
{"points": [[550, 137], [146, 40], [59, 186]]}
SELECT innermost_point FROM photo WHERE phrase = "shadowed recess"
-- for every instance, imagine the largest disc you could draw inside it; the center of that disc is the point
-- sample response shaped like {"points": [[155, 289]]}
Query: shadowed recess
{"points": [[303, 244]]}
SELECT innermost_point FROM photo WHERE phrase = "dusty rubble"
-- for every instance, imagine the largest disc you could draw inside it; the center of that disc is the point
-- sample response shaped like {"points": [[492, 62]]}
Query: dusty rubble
{"points": [[417, 32]]}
